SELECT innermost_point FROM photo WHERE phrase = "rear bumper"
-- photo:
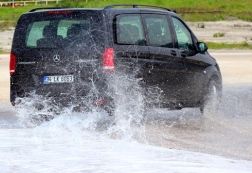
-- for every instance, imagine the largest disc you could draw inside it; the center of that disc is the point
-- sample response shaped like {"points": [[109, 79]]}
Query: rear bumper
{"points": [[62, 94], [71, 101]]}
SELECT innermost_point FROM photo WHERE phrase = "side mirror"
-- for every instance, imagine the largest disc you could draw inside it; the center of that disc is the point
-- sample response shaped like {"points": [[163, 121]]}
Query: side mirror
{"points": [[202, 47]]}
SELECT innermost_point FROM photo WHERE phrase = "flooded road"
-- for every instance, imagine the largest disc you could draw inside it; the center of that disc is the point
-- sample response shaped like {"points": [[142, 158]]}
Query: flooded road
{"points": [[63, 146], [73, 143], [166, 141]]}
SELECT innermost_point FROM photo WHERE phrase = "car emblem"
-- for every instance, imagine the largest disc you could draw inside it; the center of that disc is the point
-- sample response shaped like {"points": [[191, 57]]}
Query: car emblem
{"points": [[56, 58]]}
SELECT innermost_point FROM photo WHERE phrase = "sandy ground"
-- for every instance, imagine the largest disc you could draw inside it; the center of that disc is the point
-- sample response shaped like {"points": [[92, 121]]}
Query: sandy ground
{"points": [[4, 78], [6, 39], [235, 66], [234, 31], [227, 133]]}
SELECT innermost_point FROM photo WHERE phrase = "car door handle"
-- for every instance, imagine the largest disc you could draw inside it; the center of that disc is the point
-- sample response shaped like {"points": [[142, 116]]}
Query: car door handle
{"points": [[173, 53], [184, 53]]}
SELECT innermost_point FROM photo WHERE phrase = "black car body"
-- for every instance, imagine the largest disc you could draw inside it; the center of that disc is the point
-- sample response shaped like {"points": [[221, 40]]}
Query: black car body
{"points": [[66, 53]]}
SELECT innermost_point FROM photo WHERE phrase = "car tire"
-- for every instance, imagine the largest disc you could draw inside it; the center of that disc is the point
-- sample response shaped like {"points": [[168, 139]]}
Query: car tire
{"points": [[212, 99]]}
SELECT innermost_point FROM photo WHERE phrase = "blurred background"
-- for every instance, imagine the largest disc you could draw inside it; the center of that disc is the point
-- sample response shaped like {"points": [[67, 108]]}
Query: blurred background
{"points": [[225, 25]]}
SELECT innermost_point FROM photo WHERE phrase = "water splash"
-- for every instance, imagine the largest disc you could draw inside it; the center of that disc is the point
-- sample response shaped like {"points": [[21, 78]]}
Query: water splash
{"points": [[127, 122]]}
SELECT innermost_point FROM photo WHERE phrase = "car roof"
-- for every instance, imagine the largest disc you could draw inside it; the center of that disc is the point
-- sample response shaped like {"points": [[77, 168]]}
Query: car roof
{"points": [[107, 9], [132, 10], [41, 10]]}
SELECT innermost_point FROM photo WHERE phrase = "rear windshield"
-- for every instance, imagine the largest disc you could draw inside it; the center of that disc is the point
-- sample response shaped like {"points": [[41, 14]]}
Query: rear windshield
{"points": [[46, 30]]}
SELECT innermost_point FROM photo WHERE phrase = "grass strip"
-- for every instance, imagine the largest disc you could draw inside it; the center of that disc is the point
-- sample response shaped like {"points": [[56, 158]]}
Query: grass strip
{"points": [[190, 10], [242, 45]]}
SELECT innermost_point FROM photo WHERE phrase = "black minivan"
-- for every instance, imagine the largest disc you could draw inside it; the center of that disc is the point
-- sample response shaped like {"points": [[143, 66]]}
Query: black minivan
{"points": [[66, 54]]}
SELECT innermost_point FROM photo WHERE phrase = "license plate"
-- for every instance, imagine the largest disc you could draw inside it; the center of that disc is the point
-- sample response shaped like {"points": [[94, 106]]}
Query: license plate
{"points": [[58, 79]]}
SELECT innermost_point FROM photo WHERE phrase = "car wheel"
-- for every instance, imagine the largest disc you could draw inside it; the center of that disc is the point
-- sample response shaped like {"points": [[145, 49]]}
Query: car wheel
{"points": [[212, 100]]}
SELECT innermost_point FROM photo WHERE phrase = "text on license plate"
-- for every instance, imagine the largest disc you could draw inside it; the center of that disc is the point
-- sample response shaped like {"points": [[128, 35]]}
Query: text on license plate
{"points": [[58, 79]]}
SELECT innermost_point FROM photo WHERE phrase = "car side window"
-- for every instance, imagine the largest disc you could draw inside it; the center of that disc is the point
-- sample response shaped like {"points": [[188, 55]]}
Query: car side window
{"points": [[129, 30], [158, 31], [184, 37]]}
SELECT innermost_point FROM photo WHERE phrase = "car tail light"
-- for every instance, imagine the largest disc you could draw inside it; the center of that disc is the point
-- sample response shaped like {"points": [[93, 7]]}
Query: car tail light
{"points": [[108, 59], [100, 102], [13, 61]]}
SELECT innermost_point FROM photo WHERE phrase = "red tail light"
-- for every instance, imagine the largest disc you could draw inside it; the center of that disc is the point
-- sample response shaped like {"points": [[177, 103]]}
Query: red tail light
{"points": [[13, 61], [108, 59]]}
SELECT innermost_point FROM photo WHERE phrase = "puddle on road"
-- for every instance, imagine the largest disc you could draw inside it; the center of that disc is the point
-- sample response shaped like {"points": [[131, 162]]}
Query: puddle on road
{"points": [[62, 146], [88, 142]]}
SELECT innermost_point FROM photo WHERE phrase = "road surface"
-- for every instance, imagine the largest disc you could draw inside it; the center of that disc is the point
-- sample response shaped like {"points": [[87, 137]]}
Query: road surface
{"points": [[169, 141]]}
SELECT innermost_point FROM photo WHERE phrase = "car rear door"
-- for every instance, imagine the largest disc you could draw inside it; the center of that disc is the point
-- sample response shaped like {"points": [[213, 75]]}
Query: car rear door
{"points": [[58, 51], [130, 43]]}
